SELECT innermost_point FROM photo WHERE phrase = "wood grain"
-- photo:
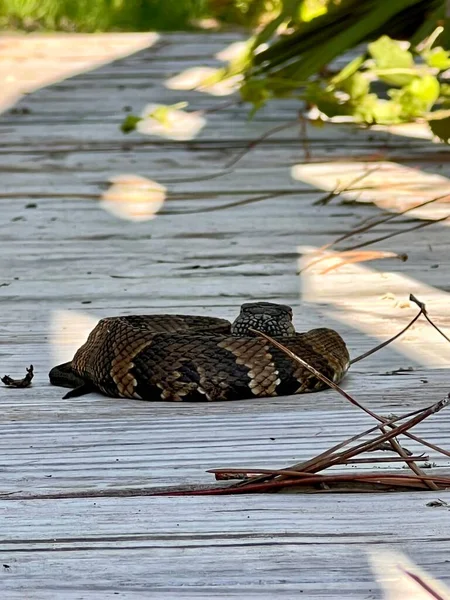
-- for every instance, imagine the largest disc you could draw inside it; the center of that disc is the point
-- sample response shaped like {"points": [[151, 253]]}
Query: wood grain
{"points": [[66, 262]]}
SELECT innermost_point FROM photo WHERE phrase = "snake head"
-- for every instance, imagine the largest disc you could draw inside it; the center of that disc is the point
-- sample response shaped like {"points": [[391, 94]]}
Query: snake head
{"points": [[270, 318]]}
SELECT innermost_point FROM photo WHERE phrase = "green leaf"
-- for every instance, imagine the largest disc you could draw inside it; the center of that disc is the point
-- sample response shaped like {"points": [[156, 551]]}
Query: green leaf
{"points": [[216, 77], [445, 90], [310, 9], [418, 97], [373, 110], [441, 128], [429, 42], [243, 60], [356, 86], [256, 92], [348, 70], [129, 123], [286, 14], [267, 31], [388, 54], [439, 122], [438, 58], [326, 101], [162, 112], [385, 112]]}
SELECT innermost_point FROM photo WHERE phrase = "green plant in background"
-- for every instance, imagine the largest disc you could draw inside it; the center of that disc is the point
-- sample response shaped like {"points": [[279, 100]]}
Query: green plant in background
{"points": [[100, 15], [389, 84]]}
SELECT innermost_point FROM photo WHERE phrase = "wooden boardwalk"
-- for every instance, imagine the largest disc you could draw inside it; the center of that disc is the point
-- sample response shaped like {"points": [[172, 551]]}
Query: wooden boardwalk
{"points": [[215, 242]]}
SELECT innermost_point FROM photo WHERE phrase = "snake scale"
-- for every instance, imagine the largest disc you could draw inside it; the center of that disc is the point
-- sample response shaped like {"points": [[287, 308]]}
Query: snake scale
{"points": [[185, 357]]}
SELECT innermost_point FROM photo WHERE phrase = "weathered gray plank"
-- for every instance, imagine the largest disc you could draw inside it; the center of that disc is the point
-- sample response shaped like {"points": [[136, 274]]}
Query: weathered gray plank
{"points": [[163, 547]]}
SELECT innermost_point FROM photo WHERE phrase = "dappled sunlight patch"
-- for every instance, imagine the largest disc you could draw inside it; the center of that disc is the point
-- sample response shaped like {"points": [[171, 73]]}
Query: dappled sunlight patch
{"points": [[204, 79], [331, 261], [133, 198], [389, 185], [221, 81], [232, 52], [30, 62], [170, 122], [69, 329], [401, 579], [419, 131], [375, 303]]}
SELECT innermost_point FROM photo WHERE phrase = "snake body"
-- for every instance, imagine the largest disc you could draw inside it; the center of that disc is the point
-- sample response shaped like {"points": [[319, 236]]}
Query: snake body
{"points": [[185, 357]]}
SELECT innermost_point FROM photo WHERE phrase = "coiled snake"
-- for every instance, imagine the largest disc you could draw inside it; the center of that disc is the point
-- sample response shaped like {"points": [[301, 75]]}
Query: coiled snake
{"points": [[185, 357]]}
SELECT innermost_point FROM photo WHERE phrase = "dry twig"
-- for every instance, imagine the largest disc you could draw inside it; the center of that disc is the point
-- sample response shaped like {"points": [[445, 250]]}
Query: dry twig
{"points": [[19, 383]]}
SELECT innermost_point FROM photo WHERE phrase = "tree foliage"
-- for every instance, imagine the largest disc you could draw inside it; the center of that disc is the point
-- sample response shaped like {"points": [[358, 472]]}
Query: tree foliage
{"points": [[397, 77]]}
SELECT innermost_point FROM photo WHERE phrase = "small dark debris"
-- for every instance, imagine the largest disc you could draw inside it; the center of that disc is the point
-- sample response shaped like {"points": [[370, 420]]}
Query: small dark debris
{"points": [[53, 219], [348, 202], [424, 380], [86, 302], [273, 439], [4, 284], [434, 267], [400, 371], [16, 278], [6, 567], [127, 108], [31, 205], [437, 502], [19, 218], [20, 110], [48, 476], [19, 383]]}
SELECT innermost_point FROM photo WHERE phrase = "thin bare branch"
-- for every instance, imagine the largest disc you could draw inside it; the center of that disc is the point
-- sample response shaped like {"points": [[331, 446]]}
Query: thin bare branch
{"points": [[338, 190], [425, 314], [395, 233], [258, 141], [411, 464], [389, 341]]}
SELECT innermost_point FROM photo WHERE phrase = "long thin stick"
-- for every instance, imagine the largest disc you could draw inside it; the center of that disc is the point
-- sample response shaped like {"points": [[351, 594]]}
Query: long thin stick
{"points": [[347, 188], [386, 480], [395, 233], [295, 473], [411, 464], [422, 307], [389, 341], [258, 141]]}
